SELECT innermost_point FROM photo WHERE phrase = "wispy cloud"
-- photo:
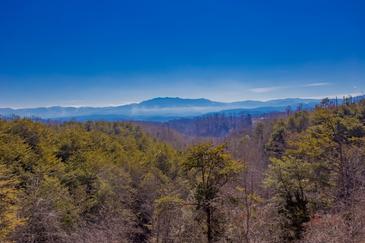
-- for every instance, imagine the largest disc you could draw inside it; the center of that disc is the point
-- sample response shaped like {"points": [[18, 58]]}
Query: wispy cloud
{"points": [[276, 88], [318, 84]]}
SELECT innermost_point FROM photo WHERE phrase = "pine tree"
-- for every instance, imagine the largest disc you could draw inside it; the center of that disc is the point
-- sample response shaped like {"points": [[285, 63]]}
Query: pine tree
{"points": [[210, 169]]}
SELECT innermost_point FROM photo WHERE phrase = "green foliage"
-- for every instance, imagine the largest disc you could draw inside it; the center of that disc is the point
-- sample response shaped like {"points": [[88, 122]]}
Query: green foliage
{"points": [[210, 168], [289, 177], [316, 169], [299, 121], [278, 141], [9, 203], [74, 175]]}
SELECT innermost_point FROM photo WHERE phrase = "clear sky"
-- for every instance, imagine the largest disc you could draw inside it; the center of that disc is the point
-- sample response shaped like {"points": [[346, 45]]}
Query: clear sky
{"points": [[97, 53]]}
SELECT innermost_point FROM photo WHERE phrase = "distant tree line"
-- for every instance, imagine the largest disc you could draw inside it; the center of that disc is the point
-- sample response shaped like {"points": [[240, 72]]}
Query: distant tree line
{"points": [[214, 125]]}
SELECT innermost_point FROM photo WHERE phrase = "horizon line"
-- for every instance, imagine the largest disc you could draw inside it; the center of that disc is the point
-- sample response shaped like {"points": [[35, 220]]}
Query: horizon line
{"points": [[164, 97]]}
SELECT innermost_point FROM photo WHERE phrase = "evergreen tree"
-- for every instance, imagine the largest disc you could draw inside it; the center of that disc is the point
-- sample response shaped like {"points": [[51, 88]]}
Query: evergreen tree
{"points": [[210, 168]]}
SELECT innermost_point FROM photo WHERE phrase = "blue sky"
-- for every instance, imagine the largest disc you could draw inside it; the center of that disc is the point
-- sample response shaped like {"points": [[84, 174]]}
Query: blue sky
{"points": [[98, 53]]}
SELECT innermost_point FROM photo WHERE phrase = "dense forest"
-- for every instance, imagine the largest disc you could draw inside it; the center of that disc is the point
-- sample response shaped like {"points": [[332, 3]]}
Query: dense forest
{"points": [[298, 177]]}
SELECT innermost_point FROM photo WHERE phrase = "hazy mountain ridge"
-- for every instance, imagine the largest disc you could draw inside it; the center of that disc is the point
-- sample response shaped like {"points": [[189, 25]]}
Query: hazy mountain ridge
{"points": [[179, 102], [162, 108]]}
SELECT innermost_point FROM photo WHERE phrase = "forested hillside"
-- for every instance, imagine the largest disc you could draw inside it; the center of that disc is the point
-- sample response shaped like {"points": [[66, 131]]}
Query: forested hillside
{"points": [[295, 178], [93, 182], [213, 125], [305, 175]]}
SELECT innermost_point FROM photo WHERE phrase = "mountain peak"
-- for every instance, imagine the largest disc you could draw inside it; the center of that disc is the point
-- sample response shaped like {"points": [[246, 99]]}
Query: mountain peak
{"points": [[178, 102]]}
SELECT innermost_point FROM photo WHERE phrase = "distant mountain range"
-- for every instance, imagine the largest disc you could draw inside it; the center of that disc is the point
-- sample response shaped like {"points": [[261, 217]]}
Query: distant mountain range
{"points": [[158, 109]]}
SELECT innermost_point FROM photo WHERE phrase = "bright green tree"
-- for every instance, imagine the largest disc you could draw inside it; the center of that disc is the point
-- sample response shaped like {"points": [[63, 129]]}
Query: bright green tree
{"points": [[288, 177], [210, 169]]}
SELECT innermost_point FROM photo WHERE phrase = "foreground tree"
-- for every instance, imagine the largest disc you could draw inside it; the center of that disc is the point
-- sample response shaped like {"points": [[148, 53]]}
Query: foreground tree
{"points": [[288, 177], [210, 169]]}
